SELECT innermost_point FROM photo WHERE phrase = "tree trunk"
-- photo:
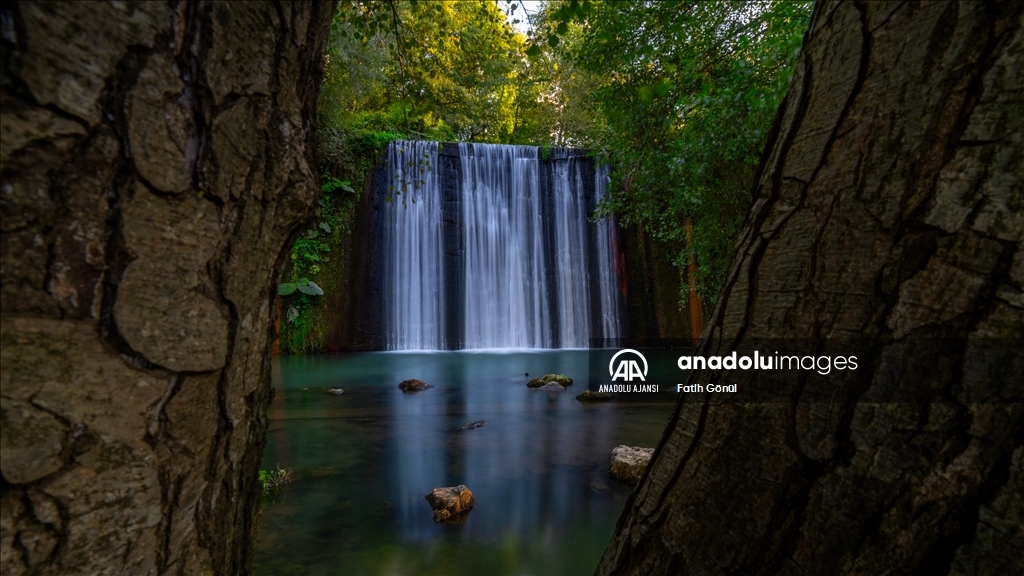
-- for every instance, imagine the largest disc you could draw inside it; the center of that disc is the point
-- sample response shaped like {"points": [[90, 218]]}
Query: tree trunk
{"points": [[156, 159], [888, 207]]}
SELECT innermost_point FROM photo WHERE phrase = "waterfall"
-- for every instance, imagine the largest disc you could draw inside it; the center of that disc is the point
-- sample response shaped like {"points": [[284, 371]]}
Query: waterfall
{"points": [[494, 246], [413, 274], [607, 240], [505, 280]]}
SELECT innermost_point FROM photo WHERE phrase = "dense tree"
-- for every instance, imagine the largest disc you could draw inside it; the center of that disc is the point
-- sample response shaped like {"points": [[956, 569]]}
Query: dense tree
{"points": [[156, 159], [443, 70], [887, 207], [678, 96]]}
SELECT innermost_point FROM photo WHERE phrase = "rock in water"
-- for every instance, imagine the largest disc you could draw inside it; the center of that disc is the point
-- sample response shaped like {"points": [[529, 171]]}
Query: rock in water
{"points": [[553, 386], [474, 424], [628, 462], [561, 379], [413, 385], [451, 504], [335, 391], [591, 396]]}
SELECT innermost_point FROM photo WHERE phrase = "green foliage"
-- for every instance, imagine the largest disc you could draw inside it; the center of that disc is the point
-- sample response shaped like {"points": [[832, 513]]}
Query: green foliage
{"points": [[678, 97], [302, 285], [331, 184], [437, 70], [272, 480]]}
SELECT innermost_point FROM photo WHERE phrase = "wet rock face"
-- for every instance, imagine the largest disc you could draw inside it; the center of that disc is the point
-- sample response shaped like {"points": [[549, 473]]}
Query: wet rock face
{"points": [[591, 396], [560, 379], [629, 462], [413, 385], [451, 504]]}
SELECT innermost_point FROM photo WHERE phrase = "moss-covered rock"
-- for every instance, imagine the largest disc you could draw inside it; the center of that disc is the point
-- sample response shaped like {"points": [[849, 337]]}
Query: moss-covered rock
{"points": [[561, 379], [413, 385], [591, 396]]}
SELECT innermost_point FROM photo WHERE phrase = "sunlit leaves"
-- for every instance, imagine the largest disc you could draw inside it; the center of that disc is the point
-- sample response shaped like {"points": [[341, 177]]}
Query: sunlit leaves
{"points": [[453, 69]]}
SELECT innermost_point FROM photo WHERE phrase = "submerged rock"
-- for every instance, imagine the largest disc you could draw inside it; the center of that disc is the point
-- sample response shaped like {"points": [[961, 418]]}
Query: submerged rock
{"points": [[561, 379], [451, 504], [335, 391], [555, 386], [629, 462], [591, 396], [474, 424], [413, 385]]}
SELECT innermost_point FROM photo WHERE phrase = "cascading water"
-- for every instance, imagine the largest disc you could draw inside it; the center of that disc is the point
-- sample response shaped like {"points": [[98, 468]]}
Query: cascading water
{"points": [[606, 257], [506, 303], [496, 249], [413, 275]]}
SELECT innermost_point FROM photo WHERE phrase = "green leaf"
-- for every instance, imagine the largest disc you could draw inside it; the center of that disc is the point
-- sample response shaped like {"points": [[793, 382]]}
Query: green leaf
{"points": [[325, 227], [552, 40], [311, 289], [286, 288], [293, 314]]}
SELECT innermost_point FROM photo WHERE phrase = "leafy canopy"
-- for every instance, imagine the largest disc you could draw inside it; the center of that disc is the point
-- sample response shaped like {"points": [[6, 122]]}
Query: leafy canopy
{"points": [[679, 97]]}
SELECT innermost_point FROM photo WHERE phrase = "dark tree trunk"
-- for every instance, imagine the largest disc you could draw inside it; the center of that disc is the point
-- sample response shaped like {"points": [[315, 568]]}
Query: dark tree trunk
{"points": [[889, 207], [156, 158]]}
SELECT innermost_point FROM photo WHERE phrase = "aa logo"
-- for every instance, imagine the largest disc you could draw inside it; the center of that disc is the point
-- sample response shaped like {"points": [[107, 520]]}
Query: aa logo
{"points": [[627, 369]]}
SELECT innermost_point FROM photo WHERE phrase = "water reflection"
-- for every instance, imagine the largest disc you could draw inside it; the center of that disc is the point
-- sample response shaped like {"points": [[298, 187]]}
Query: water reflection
{"points": [[364, 461]]}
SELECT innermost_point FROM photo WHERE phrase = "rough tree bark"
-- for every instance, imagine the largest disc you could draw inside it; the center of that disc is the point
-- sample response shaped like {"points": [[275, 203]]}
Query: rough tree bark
{"points": [[889, 206], [156, 158]]}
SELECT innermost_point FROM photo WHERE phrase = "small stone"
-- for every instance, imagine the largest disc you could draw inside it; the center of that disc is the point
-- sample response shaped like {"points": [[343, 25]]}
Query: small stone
{"points": [[413, 385], [628, 462], [451, 504], [474, 424], [591, 396], [335, 391]]}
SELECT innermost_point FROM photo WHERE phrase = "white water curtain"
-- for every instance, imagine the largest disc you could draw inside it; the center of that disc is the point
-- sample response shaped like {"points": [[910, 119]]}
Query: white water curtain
{"points": [[527, 257]]}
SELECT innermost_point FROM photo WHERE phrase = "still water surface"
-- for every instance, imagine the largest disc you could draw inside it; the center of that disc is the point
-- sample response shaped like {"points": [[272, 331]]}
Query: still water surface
{"points": [[363, 462]]}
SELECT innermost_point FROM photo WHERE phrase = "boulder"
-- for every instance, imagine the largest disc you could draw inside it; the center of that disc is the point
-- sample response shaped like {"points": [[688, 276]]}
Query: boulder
{"points": [[451, 504], [554, 386], [628, 462], [335, 391], [591, 396], [413, 385], [474, 424], [561, 379]]}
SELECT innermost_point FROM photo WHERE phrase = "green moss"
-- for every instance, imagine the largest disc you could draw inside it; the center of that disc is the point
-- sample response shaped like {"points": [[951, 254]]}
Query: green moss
{"points": [[348, 158], [560, 378]]}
